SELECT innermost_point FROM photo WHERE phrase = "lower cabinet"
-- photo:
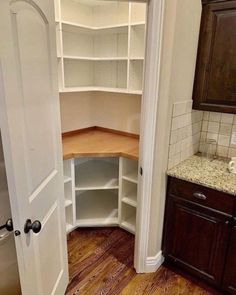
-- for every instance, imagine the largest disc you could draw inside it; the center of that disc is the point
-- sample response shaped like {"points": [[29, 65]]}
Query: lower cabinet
{"points": [[101, 191], [229, 280], [198, 238]]}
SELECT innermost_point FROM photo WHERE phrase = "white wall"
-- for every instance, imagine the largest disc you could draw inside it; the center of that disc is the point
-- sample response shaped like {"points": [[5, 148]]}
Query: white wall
{"points": [[75, 111], [104, 109], [180, 39], [117, 111]]}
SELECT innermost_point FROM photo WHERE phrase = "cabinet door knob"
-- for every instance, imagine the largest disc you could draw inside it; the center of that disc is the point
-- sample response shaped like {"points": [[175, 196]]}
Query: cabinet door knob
{"points": [[199, 196]]}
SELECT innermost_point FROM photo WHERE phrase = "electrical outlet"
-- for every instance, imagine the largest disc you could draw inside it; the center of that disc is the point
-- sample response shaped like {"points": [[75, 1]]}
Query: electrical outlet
{"points": [[233, 138]]}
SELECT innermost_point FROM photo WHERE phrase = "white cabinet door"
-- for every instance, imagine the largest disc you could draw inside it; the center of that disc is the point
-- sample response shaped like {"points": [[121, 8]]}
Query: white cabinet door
{"points": [[30, 124]]}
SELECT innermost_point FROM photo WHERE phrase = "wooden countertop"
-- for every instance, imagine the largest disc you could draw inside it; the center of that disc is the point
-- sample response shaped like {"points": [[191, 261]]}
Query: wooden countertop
{"points": [[99, 143]]}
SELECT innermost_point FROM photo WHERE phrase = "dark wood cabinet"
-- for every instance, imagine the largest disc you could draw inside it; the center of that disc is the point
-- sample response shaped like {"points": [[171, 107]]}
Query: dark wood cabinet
{"points": [[215, 77], [195, 239], [229, 280], [198, 235]]}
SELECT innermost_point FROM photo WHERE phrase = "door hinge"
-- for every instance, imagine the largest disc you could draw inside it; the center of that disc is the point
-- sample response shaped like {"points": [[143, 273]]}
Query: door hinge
{"points": [[141, 171]]}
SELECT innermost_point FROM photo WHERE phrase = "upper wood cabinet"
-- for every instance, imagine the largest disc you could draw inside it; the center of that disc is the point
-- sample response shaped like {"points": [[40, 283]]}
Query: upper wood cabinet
{"points": [[215, 77]]}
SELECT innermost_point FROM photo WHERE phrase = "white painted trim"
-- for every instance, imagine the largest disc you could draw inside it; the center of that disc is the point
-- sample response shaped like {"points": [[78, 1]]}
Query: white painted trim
{"points": [[154, 262], [148, 128]]}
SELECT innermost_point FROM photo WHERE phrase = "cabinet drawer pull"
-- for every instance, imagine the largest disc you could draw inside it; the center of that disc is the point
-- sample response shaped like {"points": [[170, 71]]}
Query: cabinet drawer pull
{"points": [[199, 196]]}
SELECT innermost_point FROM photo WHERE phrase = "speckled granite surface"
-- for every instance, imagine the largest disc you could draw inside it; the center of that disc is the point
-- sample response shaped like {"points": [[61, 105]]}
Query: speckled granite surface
{"points": [[213, 174]]}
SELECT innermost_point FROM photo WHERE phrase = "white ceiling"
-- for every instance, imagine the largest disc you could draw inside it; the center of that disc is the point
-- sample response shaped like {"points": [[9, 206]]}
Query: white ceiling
{"points": [[104, 2], [92, 2]]}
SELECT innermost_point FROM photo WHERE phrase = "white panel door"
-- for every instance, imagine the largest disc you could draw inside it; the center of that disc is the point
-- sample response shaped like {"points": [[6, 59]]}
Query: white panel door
{"points": [[30, 124]]}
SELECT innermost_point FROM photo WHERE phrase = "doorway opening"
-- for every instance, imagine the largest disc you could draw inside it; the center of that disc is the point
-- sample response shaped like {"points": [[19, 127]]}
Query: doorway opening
{"points": [[101, 59]]}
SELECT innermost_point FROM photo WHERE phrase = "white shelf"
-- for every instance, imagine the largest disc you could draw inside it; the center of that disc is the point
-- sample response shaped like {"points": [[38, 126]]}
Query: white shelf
{"points": [[95, 14], [67, 179], [96, 175], [67, 171], [137, 58], [132, 177], [130, 200], [128, 217], [129, 224], [69, 227], [87, 73], [98, 222], [97, 208], [100, 89], [137, 42], [100, 199], [98, 58], [138, 12], [136, 74], [141, 23], [116, 28], [68, 203], [92, 32], [129, 192]]}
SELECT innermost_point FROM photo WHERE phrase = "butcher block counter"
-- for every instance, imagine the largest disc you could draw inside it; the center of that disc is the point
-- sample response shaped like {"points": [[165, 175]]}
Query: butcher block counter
{"points": [[99, 142]]}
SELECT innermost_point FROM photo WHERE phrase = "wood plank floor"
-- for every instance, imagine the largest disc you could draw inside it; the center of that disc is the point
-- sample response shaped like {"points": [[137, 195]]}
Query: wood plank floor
{"points": [[101, 262]]}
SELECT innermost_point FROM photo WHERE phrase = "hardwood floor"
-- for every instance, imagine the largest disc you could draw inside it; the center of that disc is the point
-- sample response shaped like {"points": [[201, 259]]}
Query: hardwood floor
{"points": [[101, 262]]}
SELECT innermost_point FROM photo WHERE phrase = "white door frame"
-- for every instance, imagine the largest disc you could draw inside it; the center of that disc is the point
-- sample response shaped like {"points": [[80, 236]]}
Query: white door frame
{"points": [[155, 21], [154, 30]]}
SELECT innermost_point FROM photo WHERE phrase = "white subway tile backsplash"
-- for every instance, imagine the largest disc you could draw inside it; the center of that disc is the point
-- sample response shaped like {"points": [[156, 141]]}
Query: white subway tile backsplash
{"points": [[203, 136], [174, 136], [212, 136], [185, 132], [214, 117], [191, 128], [224, 140], [189, 106], [178, 147], [175, 123], [222, 151], [172, 150], [232, 152], [205, 125], [196, 127], [220, 131], [206, 116], [179, 109], [227, 118], [225, 129], [234, 120], [213, 127], [232, 145]]}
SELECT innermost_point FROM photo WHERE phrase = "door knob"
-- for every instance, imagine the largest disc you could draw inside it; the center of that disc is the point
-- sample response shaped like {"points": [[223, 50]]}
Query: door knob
{"points": [[8, 225], [35, 226]]}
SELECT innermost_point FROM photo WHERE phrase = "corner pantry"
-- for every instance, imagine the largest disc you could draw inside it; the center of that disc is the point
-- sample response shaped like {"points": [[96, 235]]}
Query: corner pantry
{"points": [[100, 53]]}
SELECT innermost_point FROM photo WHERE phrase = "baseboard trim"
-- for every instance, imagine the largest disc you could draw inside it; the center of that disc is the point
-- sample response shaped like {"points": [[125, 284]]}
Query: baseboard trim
{"points": [[154, 262]]}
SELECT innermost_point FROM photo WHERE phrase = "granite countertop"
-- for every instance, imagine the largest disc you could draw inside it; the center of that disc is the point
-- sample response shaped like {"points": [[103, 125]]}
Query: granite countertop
{"points": [[209, 173]]}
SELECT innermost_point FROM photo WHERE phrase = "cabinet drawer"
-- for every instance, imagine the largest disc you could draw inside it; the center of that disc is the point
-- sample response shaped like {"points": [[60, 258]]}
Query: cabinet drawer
{"points": [[202, 195]]}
